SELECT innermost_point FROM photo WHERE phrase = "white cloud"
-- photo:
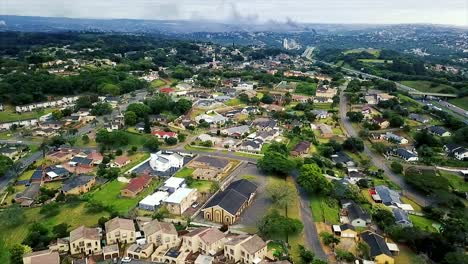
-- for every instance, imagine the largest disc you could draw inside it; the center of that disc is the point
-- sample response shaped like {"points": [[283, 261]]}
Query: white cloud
{"points": [[251, 11]]}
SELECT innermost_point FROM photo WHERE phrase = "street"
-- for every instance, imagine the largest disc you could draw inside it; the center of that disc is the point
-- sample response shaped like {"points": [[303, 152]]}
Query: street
{"points": [[376, 159]]}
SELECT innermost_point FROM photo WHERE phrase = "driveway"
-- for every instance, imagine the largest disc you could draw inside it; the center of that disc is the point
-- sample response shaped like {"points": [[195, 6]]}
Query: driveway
{"points": [[378, 160]]}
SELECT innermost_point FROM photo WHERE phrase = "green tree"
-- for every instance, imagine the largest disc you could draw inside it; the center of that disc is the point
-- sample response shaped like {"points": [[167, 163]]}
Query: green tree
{"points": [[5, 164], [60, 230], [281, 194], [141, 110], [170, 141], [396, 167], [152, 144], [363, 250], [355, 117], [101, 108], [273, 224], [353, 144], [312, 179], [130, 118], [329, 239], [85, 139], [12, 216], [16, 253], [277, 163]]}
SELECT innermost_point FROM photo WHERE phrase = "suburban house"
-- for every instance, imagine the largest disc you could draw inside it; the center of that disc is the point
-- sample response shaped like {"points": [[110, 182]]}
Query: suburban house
{"points": [[140, 251], [381, 122], [226, 206], [212, 118], [354, 214], [205, 241], [42, 257], [245, 249], [26, 198], [320, 114], [208, 168], [325, 130], [344, 230], [401, 217], [457, 151], [405, 154], [326, 92], [342, 158], [236, 132], [379, 251], [439, 131], [96, 157], [153, 201], [166, 161], [172, 184], [164, 134], [119, 230], [382, 194], [251, 145], [78, 185], [389, 136], [160, 233], [302, 148], [264, 124], [85, 240], [136, 185], [120, 162], [419, 118], [180, 200]]}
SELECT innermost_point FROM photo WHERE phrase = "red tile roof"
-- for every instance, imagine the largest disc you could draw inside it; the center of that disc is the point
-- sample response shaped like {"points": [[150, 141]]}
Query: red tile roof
{"points": [[166, 90], [121, 160], [137, 184], [164, 134]]}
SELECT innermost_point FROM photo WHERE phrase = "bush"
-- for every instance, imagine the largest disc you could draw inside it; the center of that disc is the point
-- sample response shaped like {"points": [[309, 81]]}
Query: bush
{"points": [[396, 167]]}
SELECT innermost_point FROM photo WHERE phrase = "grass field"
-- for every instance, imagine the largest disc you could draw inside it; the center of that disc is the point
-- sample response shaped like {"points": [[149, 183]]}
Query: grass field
{"points": [[198, 148], [325, 211], [375, 61], [9, 114], [157, 83], [202, 186], [184, 172], [460, 102], [374, 52], [425, 86], [136, 159], [248, 155], [109, 195], [422, 223], [456, 182], [74, 214], [136, 139], [406, 255], [233, 102]]}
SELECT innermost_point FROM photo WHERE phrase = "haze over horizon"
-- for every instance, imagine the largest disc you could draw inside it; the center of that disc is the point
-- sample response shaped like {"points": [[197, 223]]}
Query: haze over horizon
{"points": [[454, 12]]}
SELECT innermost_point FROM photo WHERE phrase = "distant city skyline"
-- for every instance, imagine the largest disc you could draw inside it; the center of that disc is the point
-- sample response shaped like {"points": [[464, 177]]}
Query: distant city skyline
{"points": [[453, 12]]}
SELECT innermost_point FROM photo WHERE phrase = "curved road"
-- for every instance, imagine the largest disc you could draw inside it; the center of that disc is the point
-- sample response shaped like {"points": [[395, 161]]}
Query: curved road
{"points": [[378, 160]]}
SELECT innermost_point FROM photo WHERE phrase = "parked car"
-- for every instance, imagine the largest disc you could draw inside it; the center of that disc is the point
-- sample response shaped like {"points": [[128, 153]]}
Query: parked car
{"points": [[126, 260], [194, 205]]}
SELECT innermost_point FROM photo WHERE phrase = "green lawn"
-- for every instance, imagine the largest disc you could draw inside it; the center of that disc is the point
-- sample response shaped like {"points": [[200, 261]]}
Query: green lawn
{"points": [[74, 214], [416, 207], [202, 186], [422, 222], [325, 209], [374, 52], [136, 139], [425, 86], [406, 255], [26, 175], [109, 195], [136, 159], [375, 61], [184, 172], [9, 114], [460, 102], [157, 83], [456, 182], [324, 106], [198, 148], [248, 155], [233, 102]]}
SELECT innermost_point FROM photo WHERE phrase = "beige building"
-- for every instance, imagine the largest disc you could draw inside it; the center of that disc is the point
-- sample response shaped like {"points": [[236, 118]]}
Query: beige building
{"points": [[205, 241], [180, 200], [136, 251], [119, 230], [42, 257], [245, 249], [326, 92], [111, 251], [85, 240], [160, 233], [61, 245], [209, 168]]}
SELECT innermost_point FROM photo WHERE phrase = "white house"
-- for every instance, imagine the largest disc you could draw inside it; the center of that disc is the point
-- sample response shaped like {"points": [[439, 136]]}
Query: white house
{"points": [[164, 161]]}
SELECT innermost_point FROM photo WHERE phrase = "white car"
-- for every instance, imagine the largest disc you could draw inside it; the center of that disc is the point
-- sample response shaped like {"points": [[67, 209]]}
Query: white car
{"points": [[126, 260]]}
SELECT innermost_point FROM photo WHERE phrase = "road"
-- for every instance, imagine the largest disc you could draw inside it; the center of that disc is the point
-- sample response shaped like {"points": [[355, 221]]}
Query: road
{"points": [[452, 109], [312, 238], [378, 160]]}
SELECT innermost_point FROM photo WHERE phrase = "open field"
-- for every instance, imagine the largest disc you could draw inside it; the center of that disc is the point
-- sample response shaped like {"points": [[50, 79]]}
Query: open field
{"points": [[456, 182], [184, 172], [109, 195], [157, 83], [425, 86], [374, 52], [375, 61], [74, 214], [9, 114], [422, 223], [406, 255], [325, 210], [460, 102]]}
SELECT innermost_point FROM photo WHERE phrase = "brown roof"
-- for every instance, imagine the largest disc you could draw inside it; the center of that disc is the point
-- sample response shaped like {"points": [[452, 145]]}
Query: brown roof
{"points": [[44, 257], [95, 156], [211, 235], [119, 223], [302, 146], [155, 226], [136, 184], [254, 244], [110, 249], [121, 160], [84, 232]]}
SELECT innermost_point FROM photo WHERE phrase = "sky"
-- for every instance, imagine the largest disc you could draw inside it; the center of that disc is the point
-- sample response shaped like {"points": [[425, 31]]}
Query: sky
{"points": [[454, 12]]}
